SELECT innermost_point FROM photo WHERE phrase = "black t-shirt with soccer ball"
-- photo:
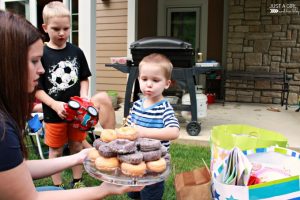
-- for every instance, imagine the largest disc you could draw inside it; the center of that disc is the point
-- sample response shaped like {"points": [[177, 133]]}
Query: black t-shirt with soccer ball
{"points": [[64, 69]]}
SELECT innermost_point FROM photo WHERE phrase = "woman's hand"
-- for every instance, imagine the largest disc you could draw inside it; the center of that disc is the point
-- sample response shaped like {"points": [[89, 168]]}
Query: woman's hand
{"points": [[82, 155], [118, 189]]}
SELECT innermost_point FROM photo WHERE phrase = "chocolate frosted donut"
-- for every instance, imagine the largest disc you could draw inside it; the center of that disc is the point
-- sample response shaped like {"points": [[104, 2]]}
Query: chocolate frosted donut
{"points": [[106, 151], [147, 144], [97, 143], [164, 150], [132, 158], [122, 146], [151, 155]]}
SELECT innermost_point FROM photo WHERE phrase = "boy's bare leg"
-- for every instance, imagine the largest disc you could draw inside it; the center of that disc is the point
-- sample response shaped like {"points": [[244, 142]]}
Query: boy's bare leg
{"points": [[75, 147], [107, 117], [55, 153]]}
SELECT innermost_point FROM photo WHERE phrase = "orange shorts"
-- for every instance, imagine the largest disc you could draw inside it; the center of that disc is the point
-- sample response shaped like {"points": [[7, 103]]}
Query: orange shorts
{"points": [[58, 134]]}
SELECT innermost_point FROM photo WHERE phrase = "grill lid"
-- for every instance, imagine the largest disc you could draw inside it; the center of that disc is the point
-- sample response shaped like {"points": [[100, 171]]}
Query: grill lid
{"points": [[160, 43]]}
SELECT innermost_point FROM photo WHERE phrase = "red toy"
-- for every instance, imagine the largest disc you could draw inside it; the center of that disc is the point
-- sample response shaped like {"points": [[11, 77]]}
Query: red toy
{"points": [[82, 113]]}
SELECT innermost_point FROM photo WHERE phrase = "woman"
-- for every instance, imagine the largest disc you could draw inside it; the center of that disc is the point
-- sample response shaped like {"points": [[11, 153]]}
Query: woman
{"points": [[21, 48]]}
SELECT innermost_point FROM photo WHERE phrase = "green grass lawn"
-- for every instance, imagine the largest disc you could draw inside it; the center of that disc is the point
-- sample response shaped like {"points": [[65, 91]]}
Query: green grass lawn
{"points": [[183, 158]]}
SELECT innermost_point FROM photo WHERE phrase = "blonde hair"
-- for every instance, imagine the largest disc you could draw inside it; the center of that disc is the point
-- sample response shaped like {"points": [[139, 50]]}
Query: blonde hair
{"points": [[161, 60], [55, 9]]}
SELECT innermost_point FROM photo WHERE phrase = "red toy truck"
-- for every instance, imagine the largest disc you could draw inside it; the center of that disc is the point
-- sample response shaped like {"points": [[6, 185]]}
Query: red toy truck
{"points": [[82, 113]]}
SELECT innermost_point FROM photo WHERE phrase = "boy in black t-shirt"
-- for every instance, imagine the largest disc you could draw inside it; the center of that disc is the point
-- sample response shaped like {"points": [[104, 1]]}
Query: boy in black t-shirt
{"points": [[66, 75]]}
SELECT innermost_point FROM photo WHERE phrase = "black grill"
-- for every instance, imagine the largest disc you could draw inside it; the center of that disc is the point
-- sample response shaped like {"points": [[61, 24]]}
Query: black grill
{"points": [[179, 52]]}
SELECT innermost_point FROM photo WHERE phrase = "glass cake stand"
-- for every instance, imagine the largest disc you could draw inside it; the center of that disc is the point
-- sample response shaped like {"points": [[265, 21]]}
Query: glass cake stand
{"points": [[117, 177]]}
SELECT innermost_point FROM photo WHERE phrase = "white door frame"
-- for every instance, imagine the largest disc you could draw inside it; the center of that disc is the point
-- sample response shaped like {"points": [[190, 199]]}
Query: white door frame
{"points": [[162, 6], [87, 37]]}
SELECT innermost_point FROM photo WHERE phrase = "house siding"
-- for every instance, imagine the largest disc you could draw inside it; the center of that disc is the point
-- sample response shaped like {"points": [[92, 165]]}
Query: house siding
{"points": [[111, 41]]}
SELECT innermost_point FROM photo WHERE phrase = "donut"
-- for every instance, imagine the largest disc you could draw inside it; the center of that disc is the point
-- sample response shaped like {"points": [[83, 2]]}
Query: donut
{"points": [[147, 144], [151, 155], [93, 154], [108, 135], [164, 150], [106, 151], [157, 166], [128, 133], [133, 170], [132, 158], [107, 164], [97, 143], [122, 146]]}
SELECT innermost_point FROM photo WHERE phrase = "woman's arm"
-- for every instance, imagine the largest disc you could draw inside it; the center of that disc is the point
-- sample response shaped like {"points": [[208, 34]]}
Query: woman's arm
{"points": [[43, 168], [167, 133], [17, 184]]}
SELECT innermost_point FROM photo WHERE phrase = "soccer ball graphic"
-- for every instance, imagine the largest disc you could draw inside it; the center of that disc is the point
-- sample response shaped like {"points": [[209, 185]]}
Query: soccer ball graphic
{"points": [[63, 75]]}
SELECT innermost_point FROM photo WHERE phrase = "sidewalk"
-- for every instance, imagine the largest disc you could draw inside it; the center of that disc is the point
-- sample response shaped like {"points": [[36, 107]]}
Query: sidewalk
{"points": [[286, 122]]}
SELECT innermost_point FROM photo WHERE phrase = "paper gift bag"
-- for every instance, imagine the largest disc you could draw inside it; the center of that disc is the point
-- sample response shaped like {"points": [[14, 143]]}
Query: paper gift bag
{"points": [[193, 185], [282, 182], [225, 137]]}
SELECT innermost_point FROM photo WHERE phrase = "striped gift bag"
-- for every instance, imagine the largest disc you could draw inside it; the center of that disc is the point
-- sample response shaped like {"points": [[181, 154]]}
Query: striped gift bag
{"points": [[276, 186], [226, 137]]}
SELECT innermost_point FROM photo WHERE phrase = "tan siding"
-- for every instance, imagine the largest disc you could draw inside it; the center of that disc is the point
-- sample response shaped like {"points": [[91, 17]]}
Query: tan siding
{"points": [[111, 19], [110, 80], [111, 41], [111, 33], [111, 13], [111, 73], [105, 87], [112, 5], [111, 26], [111, 53], [110, 47]]}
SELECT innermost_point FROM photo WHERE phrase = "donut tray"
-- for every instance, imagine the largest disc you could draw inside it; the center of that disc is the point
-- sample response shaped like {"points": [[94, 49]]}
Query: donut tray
{"points": [[118, 178]]}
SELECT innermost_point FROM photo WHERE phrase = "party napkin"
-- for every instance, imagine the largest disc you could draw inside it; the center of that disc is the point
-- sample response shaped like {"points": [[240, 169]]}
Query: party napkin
{"points": [[238, 168]]}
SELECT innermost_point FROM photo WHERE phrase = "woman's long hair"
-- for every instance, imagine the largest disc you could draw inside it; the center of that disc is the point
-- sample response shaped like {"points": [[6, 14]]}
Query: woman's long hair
{"points": [[16, 34]]}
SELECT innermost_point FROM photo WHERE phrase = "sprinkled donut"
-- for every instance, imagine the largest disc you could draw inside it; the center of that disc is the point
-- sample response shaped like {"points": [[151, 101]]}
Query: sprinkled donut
{"points": [[164, 150], [122, 146], [132, 158], [97, 143], [106, 151], [147, 144], [151, 155]]}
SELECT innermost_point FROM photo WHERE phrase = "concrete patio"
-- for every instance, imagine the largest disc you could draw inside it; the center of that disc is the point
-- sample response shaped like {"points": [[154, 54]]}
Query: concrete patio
{"points": [[286, 122]]}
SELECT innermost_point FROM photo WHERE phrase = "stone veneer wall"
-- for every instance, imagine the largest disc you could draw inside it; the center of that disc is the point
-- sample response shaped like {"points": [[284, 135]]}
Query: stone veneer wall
{"points": [[262, 41]]}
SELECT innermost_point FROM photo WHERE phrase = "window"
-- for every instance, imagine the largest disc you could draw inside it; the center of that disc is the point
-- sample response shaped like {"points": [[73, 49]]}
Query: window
{"points": [[182, 23], [20, 7], [74, 22]]}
